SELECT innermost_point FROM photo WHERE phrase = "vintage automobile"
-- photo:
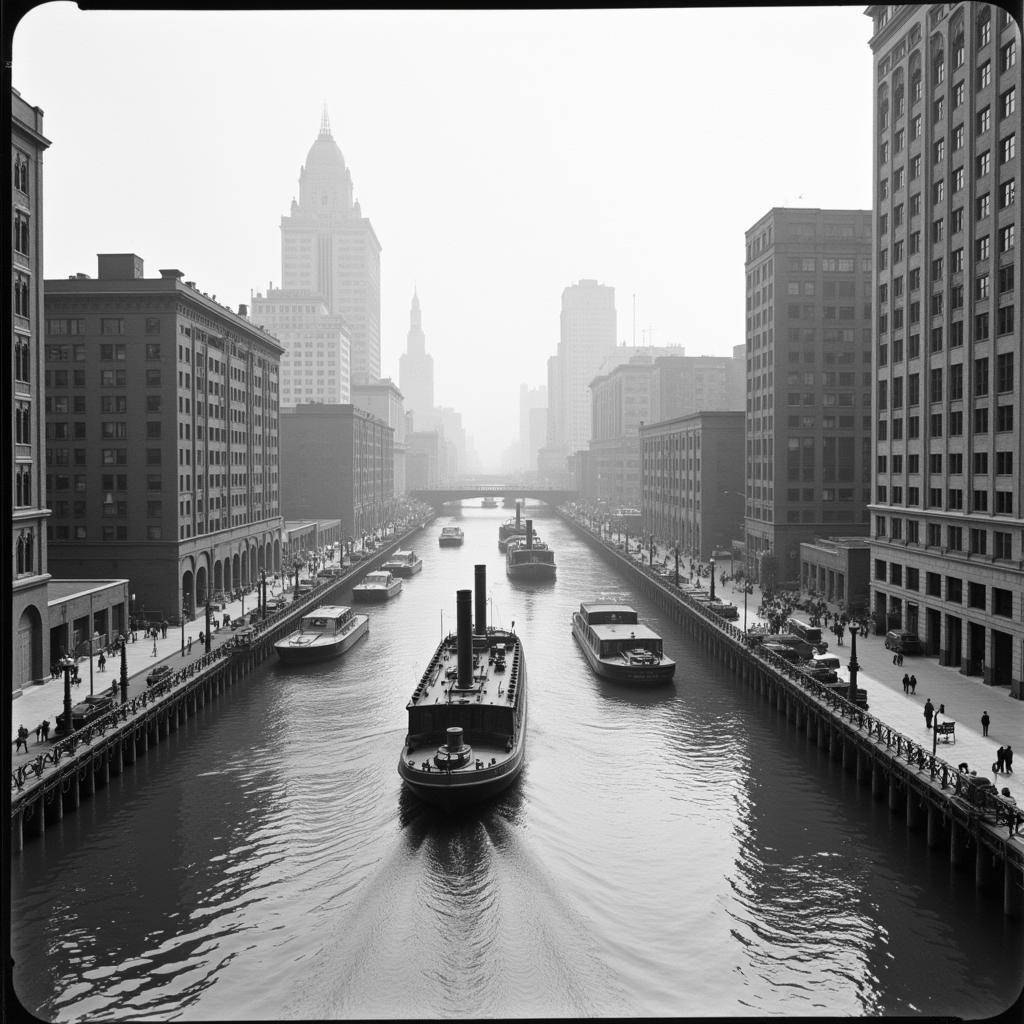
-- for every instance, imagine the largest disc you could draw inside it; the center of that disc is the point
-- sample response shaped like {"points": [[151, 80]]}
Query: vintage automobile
{"points": [[159, 674]]}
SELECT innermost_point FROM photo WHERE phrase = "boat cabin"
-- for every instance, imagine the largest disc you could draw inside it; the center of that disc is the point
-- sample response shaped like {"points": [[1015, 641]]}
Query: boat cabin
{"points": [[601, 614], [328, 619]]}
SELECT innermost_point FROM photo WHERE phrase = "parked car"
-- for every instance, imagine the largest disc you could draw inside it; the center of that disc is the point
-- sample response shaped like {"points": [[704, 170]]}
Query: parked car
{"points": [[87, 711], [902, 642], [159, 674]]}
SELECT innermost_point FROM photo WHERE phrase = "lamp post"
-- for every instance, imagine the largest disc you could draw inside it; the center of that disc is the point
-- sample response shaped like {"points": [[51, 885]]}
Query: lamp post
{"points": [[712, 560], [853, 664], [650, 555], [67, 663], [677, 563], [124, 669], [207, 641], [182, 632], [746, 590]]}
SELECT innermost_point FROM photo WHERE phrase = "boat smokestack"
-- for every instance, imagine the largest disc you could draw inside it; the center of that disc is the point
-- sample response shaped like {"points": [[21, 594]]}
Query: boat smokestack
{"points": [[529, 533], [480, 590], [464, 634], [517, 517]]}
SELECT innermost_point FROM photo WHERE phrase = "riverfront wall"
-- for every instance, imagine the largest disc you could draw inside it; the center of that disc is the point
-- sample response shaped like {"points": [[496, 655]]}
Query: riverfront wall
{"points": [[72, 769], [979, 830]]}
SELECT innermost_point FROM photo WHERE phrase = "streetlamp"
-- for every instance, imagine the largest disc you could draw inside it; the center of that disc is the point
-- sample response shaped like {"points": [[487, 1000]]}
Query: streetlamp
{"points": [[853, 664], [124, 668], [650, 556], [183, 611], [677, 563], [746, 590], [712, 560], [67, 663]]}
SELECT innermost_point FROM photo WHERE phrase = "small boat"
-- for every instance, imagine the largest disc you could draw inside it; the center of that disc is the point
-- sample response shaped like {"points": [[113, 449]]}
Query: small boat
{"points": [[379, 585], [618, 646], [489, 503], [451, 537], [466, 738], [325, 633], [529, 558], [403, 563]]}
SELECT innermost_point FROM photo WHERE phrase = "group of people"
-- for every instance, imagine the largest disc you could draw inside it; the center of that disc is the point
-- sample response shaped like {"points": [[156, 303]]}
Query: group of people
{"points": [[1004, 760], [21, 740]]}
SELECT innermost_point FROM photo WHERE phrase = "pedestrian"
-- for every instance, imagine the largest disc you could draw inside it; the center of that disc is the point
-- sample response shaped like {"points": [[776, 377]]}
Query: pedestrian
{"points": [[906, 683], [102, 661], [21, 739], [190, 645], [913, 683], [984, 723], [1000, 764], [1007, 757], [894, 659], [929, 710], [942, 709], [39, 729], [163, 626], [900, 662], [46, 729]]}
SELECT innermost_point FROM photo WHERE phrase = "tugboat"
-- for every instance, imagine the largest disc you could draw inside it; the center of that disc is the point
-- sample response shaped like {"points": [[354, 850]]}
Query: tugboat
{"points": [[403, 563], [618, 647], [466, 738], [451, 537], [529, 558], [511, 528], [329, 631], [377, 586]]}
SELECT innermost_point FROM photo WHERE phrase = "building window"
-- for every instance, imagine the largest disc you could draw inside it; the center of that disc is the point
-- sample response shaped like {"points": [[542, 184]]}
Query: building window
{"points": [[1007, 149], [1008, 102], [985, 75], [1007, 193], [1008, 56], [1007, 237], [1002, 544]]}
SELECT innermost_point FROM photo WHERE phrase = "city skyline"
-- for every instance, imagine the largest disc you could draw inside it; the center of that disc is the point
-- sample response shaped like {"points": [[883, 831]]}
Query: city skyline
{"points": [[572, 171]]}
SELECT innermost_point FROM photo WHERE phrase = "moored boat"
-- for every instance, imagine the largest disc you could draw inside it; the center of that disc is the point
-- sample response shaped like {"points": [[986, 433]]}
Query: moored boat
{"points": [[451, 537], [466, 738], [379, 585], [510, 528], [403, 563], [325, 633], [618, 646], [529, 558]]}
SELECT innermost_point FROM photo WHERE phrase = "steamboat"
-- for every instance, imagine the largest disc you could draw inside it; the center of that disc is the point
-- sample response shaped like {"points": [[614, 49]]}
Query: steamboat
{"points": [[325, 633], [529, 558], [466, 738], [451, 537]]}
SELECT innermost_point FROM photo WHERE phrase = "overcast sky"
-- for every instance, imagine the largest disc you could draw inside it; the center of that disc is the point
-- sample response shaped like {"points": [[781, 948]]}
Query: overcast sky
{"points": [[500, 156]]}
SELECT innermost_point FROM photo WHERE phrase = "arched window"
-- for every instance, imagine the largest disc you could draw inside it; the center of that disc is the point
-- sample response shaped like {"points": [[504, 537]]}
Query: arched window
{"points": [[984, 27], [898, 94], [915, 77], [883, 107], [20, 557], [938, 61], [957, 45]]}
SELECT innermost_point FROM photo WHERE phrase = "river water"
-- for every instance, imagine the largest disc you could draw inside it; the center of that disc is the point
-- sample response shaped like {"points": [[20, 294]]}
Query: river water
{"points": [[674, 852]]}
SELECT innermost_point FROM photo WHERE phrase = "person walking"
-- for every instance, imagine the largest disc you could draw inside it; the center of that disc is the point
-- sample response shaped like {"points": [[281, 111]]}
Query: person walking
{"points": [[46, 729], [1000, 765], [984, 723], [190, 645], [906, 683], [21, 739], [39, 729], [101, 661], [942, 709], [929, 711], [163, 626], [913, 683], [1007, 757]]}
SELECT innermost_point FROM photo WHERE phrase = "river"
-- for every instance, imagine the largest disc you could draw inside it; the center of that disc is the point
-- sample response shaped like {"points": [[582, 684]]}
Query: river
{"points": [[679, 851]]}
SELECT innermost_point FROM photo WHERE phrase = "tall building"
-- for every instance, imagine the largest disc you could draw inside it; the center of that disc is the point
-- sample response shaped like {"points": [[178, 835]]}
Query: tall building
{"points": [[946, 531], [688, 384], [387, 403], [329, 248], [529, 400], [809, 384], [416, 368], [162, 436], [315, 365], [588, 327], [28, 552]]}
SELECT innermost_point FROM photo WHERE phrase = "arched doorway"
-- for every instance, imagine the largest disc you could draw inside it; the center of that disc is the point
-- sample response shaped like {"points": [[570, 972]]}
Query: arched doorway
{"points": [[236, 563], [202, 592], [28, 648], [218, 577], [277, 555], [188, 594]]}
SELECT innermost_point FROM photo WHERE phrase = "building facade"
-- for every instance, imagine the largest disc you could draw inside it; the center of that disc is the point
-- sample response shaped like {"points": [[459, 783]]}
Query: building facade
{"points": [[838, 570], [161, 437], [688, 384], [947, 543], [328, 248], [387, 403], [426, 450], [28, 549], [809, 383], [692, 481], [315, 364], [337, 463], [530, 399], [416, 367]]}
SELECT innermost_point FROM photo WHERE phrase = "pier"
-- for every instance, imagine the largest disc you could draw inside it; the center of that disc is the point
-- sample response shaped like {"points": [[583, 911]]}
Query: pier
{"points": [[979, 830]]}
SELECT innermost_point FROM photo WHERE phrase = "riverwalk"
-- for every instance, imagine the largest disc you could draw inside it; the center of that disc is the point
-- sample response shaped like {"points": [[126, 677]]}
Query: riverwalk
{"points": [[965, 697]]}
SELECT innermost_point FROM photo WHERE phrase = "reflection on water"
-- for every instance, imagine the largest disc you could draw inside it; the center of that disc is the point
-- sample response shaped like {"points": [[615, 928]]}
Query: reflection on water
{"points": [[673, 850]]}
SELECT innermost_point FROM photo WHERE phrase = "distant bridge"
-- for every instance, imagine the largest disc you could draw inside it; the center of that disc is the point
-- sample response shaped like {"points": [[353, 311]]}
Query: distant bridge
{"points": [[438, 496]]}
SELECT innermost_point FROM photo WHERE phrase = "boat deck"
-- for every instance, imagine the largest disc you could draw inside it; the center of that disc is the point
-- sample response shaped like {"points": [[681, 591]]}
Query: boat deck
{"points": [[492, 683]]}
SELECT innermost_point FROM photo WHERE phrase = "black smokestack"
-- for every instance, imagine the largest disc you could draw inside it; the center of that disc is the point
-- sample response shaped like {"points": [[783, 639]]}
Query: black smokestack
{"points": [[480, 622], [464, 632], [529, 533], [517, 517]]}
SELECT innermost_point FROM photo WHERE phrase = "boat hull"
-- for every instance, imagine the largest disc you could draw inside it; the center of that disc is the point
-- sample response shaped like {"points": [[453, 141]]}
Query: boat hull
{"points": [[618, 672], [404, 571], [531, 571], [374, 595], [450, 542], [320, 652]]}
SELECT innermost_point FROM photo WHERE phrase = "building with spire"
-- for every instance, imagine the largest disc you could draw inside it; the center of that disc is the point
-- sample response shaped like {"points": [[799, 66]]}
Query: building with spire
{"points": [[416, 369], [329, 249]]}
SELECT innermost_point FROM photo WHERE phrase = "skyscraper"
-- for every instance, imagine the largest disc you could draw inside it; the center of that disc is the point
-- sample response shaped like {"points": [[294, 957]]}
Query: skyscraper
{"points": [[947, 537], [808, 417], [416, 370], [588, 327], [329, 248]]}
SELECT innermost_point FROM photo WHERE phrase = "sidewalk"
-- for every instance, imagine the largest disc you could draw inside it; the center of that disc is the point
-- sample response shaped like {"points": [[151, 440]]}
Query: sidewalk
{"points": [[965, 697]]}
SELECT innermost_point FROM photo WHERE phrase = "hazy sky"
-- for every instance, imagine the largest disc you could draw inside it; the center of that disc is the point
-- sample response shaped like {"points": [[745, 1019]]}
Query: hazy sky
{"points": [[500, 155]]}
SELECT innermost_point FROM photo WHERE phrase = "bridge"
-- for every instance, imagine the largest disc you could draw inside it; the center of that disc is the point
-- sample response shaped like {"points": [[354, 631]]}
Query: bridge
{"points": [[438, 496]]}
